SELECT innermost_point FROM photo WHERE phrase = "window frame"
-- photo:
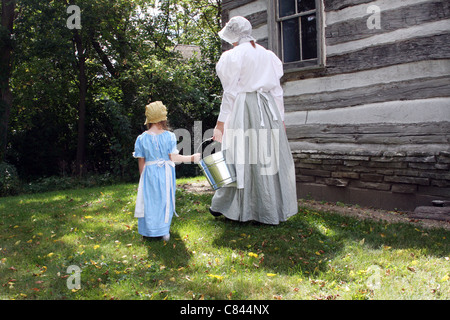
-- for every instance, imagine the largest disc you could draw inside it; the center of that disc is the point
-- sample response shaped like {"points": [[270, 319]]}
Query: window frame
{"points": [[276, 37]]}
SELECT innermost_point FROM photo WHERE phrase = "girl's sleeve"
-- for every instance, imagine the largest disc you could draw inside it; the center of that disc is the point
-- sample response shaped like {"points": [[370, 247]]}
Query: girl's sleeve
{"points": [[228, 69], [173, 144], [138, 149]]}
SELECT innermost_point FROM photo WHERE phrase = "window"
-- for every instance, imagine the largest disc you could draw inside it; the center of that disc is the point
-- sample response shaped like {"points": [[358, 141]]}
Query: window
{"points": [[299, 33]]}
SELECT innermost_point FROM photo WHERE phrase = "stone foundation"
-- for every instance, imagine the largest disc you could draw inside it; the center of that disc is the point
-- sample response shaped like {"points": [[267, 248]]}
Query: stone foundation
{"points": [[386, 180]]}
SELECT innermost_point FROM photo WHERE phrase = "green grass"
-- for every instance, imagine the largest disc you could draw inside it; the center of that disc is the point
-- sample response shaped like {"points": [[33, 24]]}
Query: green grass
{"points": [[314, 255]]}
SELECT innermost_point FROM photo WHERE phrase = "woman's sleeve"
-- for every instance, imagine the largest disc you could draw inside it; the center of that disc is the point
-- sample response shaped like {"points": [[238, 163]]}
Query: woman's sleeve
{"points": [[228, 69], [138, 149], [173, 144], [277, 92]]}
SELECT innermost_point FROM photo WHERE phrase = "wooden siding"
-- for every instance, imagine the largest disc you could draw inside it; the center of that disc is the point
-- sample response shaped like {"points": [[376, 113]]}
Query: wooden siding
{"points": [[380, 92], [406, 61], [392, 20]]}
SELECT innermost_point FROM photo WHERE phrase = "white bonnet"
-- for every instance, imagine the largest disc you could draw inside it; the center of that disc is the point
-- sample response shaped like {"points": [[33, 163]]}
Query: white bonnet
{"points": [[238, 29]]}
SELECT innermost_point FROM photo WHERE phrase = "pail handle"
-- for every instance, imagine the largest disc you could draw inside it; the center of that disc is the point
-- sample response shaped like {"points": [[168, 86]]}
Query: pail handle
{"points": [[203, 143]]}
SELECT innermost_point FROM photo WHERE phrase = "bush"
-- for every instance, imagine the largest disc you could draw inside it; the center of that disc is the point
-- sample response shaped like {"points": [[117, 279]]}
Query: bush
{"points": [[56, 183], [9, 180]]}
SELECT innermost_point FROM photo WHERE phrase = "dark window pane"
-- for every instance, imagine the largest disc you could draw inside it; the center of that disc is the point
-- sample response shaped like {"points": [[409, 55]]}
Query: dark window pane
{"points": [[309, 37], [305, 5], [291, 40], [287, 7]]}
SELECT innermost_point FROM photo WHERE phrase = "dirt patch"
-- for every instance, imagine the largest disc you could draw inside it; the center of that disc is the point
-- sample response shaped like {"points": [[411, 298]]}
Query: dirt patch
{"points": [[197, 187], [374, 214], [342, 209]]}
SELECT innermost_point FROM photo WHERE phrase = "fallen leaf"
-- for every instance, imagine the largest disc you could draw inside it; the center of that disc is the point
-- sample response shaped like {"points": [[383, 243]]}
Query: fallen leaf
{"points": [[220, 278]]}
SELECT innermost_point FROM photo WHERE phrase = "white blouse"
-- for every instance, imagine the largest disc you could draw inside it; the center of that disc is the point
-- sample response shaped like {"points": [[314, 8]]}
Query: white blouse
{"points": [[248, 69]]}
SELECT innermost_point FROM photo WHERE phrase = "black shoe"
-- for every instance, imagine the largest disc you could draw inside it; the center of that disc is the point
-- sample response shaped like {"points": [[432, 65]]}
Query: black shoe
{"points": [[214, 213]]}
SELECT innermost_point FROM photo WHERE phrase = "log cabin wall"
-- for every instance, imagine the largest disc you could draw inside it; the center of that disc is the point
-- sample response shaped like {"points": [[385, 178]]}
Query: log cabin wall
{"points": [[369, 122]]}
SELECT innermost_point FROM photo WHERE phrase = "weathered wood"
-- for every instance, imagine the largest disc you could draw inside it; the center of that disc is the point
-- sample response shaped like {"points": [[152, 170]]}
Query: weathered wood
{"points": [[376, 110], [378, 133], [380, 56], [232, 4], [404, 90], [431, 212], [331, 5], [426, 69], [257, 19], [380, 139], [263, 42], [400, 18]]}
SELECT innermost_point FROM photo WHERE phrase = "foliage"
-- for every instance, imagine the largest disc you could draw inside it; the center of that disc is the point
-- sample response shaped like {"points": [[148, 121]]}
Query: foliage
{"points": [[53, 183], [314, 255], [130, 59], [9, 180]]}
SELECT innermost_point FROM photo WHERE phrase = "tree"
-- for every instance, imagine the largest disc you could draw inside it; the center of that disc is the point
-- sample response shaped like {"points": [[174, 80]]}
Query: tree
{"points": [[6, 51], [79, 94], [82, 84]]}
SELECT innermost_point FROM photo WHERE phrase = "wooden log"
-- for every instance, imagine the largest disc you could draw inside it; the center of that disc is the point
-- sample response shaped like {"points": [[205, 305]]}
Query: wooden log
{"points": [[384, 133], [331, 5], [257, 19], [400, 18], [379, 56], [233, 4], [403, 90]]}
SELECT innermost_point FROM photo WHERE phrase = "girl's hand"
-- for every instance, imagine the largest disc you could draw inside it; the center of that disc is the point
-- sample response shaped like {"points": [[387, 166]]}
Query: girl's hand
{"points": [[196, 157]]}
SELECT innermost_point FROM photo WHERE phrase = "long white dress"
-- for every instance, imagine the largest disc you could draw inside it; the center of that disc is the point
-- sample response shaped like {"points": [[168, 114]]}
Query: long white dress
{"points": [[254, 138]]}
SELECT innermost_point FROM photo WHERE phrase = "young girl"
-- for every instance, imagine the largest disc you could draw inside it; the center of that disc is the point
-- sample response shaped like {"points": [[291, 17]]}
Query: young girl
{"points": [[156, 150]]}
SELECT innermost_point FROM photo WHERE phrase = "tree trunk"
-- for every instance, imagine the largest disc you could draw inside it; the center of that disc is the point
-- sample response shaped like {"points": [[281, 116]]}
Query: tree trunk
{"points": [[6, 51], [82, 79]]}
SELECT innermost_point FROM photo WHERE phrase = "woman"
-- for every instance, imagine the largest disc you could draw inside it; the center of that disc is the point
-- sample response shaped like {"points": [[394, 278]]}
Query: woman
{"points": [[250, 126]]}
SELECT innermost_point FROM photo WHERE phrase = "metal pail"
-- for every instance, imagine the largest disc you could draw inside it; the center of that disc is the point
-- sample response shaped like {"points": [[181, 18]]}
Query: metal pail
{"points": [[217, 171]]}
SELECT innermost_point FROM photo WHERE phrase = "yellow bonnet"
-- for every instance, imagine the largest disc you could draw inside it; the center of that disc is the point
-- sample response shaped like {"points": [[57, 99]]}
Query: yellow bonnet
{"points": [[155, 112]]}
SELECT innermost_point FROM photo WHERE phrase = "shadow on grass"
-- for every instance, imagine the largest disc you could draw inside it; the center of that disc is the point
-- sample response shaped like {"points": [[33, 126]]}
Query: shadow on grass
{"points": [[171, 254], [310, 239], [41, 235]]}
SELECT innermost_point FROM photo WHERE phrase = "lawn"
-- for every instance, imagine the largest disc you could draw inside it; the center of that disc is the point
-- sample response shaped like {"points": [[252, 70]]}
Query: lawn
{"points": [[314, 255]]}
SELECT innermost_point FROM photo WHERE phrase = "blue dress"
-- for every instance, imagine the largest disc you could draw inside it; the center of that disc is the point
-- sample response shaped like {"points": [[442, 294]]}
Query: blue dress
{"points": [[155, 148]]}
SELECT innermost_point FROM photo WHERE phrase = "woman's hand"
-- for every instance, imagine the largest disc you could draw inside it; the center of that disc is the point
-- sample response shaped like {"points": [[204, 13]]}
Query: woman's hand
{"points": [[218, 131]]}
